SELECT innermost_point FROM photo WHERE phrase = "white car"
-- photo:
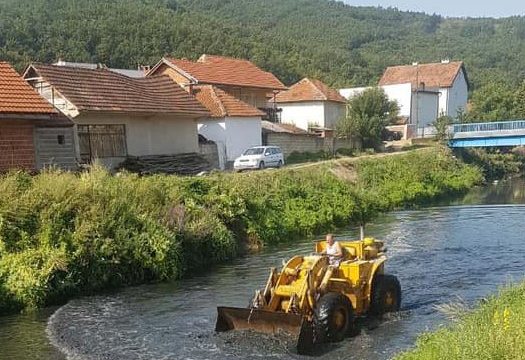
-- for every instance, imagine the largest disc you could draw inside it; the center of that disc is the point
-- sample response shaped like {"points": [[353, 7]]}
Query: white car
{"points": [[259, 157]]}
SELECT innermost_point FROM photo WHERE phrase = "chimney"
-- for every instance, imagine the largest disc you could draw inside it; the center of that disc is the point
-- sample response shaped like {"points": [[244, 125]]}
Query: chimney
{"points": [[144, 68]]}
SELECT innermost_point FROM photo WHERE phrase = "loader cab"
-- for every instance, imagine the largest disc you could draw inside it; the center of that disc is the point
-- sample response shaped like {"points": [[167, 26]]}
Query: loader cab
{"points": [[367, 249]]}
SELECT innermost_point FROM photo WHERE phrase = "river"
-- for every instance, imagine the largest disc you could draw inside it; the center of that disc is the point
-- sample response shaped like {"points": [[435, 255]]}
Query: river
{"points": [[461, 250]]}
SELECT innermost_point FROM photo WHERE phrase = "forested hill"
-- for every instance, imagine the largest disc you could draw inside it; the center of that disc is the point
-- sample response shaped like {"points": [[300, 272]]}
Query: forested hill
{"points": [[340, 44]]}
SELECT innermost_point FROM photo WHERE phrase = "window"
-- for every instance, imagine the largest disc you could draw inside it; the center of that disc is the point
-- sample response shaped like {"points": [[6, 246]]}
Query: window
{"points": [[254, 151], [61, 139], [101, 141]]}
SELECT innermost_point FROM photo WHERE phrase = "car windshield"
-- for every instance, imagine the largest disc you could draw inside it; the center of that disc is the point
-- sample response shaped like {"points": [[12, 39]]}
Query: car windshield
{"points": [[254, 151]]}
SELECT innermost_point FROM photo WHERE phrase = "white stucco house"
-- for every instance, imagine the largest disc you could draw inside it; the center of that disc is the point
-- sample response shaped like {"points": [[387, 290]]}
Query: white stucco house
{"points": [[311, 104], [117, 116], [448, 78], [233, 124]]}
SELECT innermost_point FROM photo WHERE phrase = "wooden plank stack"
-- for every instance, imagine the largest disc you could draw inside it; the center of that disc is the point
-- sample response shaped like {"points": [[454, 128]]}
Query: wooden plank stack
{"points": [[181, 164]]}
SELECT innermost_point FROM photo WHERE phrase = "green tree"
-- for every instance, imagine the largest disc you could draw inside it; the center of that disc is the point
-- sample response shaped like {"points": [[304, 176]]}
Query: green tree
{"points": [[494, 101], [367, 115], [519, 102]]}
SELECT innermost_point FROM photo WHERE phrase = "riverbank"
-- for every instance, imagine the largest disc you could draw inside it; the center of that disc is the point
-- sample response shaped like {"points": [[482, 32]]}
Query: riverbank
{"points": [[493, 331], [64, 235]]}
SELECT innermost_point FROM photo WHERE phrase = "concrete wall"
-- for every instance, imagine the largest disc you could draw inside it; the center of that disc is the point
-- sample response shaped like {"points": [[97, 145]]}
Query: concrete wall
{"points": [[17, 149], [55, 147], [290, 143], [303, 114], [236, 134], [425, 108], [148, 135], [241, 134], [333, 112], [457, 96], [402, 93]]}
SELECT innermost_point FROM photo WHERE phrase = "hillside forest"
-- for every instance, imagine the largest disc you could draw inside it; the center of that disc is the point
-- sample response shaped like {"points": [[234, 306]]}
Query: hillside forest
{"points": [[339, 44]]}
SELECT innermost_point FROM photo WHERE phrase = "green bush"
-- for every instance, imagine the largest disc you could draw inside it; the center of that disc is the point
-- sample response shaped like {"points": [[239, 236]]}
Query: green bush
{"points": [[495, 163], [63, 235]]}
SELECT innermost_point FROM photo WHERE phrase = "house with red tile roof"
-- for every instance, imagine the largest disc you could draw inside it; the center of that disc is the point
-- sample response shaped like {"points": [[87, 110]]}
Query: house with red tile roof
{"points": [[238, 77], [235, 91], [33, 135], [309, 104], [117, 116], [448, 78]]}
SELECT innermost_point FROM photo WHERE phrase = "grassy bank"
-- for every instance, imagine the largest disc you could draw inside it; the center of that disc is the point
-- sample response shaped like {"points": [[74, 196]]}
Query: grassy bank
{"points": [[62, 235], [494, 331], [494, 163]]}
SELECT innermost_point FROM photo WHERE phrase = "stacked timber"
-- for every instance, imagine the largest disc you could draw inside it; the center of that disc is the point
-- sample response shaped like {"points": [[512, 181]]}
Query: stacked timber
{"points": [[181, 164]]}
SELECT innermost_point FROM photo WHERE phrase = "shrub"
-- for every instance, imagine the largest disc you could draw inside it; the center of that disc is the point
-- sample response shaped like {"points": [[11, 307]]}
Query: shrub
{"points": [[63, 234]]}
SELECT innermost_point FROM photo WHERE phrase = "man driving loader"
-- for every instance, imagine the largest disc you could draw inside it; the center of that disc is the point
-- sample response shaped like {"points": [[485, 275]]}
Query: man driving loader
{"points": [[333, 250]]}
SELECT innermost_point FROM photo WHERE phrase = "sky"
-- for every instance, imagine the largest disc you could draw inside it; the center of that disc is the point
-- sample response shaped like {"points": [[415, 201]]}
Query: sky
{"points": [[452, 8]]}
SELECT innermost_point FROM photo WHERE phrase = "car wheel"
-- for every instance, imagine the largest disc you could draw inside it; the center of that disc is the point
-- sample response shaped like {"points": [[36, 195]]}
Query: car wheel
{"points": [[280, 164], [261, 165]]}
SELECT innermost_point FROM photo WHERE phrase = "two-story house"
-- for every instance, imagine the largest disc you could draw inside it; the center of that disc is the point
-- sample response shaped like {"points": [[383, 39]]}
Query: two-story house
{"points": [[447, 78], [236, 93]]}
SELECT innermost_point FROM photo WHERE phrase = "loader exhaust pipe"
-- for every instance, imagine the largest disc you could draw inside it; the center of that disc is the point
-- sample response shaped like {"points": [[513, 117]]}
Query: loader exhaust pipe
{"points": [[268, 322]]}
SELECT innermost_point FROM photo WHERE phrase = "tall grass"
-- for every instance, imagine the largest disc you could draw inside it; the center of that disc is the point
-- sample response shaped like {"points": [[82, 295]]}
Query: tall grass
{"points": [[494, 331], [63, 234]]}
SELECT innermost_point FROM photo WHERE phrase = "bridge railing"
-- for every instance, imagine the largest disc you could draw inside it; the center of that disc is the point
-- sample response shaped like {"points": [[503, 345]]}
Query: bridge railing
{"points": [[489, 126]]}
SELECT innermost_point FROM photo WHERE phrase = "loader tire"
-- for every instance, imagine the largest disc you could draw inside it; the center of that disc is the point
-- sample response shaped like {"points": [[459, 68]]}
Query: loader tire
{"points": [[333, 318], [386, 295]]}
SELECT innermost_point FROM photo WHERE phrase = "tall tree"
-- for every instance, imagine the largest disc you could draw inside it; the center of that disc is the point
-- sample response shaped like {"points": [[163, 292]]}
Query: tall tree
{"points": [[367, 115]]}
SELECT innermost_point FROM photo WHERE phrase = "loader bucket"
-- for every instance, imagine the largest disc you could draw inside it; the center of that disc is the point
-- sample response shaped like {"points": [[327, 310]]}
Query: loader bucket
{"points": [[268, 322]]}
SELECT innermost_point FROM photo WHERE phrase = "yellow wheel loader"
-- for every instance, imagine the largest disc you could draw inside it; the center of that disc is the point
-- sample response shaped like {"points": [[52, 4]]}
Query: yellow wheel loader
{"points": [[317, 302]]}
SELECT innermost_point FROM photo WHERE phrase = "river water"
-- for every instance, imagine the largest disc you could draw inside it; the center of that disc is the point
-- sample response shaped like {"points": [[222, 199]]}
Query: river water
{"points": [[461, 251]]}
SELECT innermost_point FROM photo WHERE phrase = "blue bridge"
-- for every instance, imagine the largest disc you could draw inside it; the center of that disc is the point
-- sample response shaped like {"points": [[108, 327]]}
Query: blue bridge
{"points": [[490, 134]]}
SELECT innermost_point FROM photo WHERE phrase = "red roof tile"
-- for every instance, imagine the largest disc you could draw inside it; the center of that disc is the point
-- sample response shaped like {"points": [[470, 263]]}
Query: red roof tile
{"points": [[17, 96], [104, 90], [222, 104], [432, 75], [309, 90], [220, 70]]}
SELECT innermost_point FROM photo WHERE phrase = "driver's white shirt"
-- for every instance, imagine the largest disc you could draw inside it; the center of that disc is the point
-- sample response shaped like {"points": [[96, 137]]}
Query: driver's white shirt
{"points": [[331, 251]]}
